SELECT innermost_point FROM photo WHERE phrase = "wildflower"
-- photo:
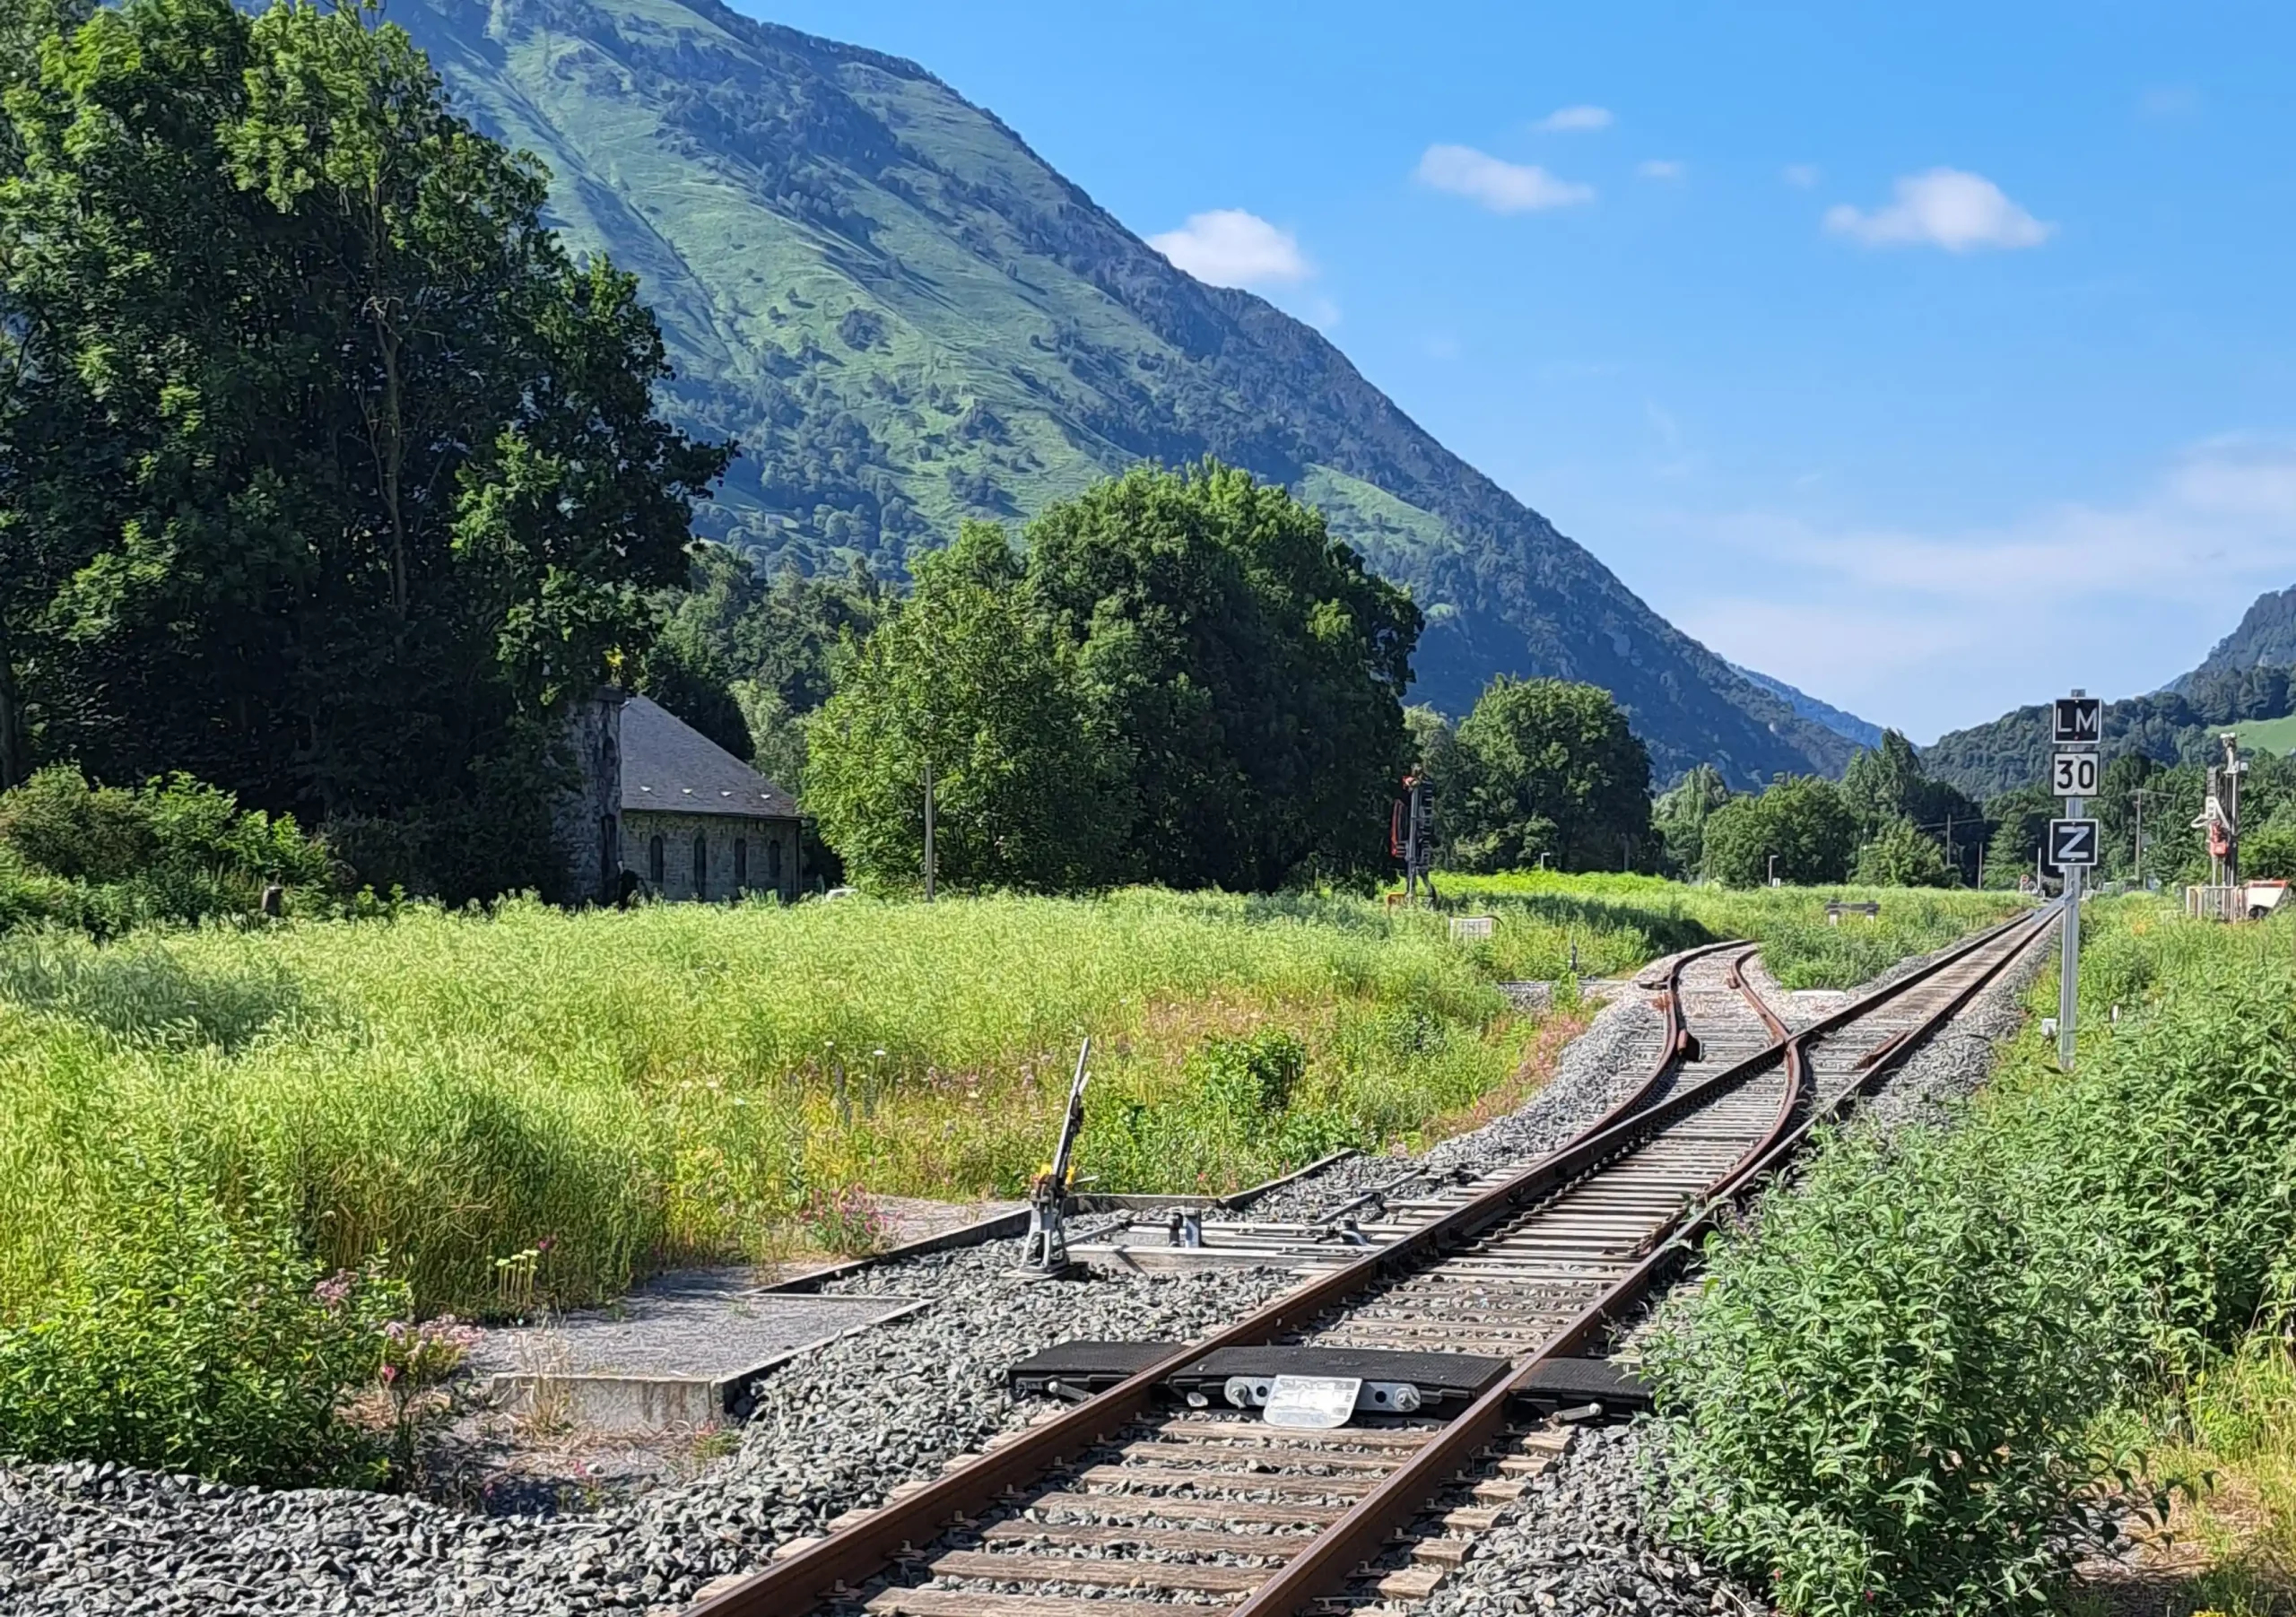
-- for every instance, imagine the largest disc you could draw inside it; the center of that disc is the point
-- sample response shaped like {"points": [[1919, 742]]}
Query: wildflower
{"points": [[335, 1289]]}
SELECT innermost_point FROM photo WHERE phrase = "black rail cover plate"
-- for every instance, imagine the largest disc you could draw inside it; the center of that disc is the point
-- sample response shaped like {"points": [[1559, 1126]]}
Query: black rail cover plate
{"points": [[1091, 1366], [1562, 1382]]}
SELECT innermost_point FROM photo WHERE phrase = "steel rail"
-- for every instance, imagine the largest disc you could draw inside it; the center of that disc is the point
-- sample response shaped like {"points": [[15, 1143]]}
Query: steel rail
{"points": [[803, 1574], [1326, 1565]]}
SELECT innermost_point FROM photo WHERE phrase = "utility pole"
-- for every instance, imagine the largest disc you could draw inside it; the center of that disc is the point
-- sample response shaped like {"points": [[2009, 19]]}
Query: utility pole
{"points": [[2138, 796], [929, 829], [1950, 857]]}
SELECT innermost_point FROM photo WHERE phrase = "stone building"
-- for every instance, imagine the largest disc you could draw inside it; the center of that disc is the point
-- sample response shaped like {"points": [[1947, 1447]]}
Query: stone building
{"points": [[669, 806]]}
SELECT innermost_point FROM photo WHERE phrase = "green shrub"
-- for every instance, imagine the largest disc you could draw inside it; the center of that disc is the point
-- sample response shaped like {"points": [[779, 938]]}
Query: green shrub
{"points": [[188, 1339], [1883, 1403], [1883, 1396], [101, 859]]}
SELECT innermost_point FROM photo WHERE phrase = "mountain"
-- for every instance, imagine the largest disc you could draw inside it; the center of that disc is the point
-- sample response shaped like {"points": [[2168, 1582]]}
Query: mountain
{"points": [[907, 317], [2265, 637], [1851, 728], [2248, 677]]}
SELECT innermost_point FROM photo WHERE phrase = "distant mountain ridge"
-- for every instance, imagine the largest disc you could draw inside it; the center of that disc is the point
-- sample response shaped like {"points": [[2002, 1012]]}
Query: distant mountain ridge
{"points": [[2246, 678], [908, 318], [1851, 728], [2265, 638]]}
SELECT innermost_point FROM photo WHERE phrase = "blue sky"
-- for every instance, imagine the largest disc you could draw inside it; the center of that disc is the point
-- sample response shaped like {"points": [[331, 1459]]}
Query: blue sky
{"points": [[1934, 359]]}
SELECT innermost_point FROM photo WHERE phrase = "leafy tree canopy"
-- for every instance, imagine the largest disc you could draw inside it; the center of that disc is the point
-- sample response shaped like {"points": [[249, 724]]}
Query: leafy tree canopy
{"points": [[1900, 856], [324, 473], [1800, 820], [1541, 768], [1679, 815], [1251, 662], [967, 684]]}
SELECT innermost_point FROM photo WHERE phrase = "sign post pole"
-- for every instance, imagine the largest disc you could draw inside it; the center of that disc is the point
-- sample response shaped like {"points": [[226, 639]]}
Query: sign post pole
{"points": [[2073, 846], [2068, 987]]}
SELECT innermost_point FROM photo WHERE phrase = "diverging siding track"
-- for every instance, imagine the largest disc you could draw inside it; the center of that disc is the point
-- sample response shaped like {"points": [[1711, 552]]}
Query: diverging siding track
{"points": [[1124, 1504]]}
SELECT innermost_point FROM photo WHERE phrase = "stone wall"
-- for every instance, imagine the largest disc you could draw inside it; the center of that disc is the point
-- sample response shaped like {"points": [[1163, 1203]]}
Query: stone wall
{"points": [[769, 850], [586, 821]]}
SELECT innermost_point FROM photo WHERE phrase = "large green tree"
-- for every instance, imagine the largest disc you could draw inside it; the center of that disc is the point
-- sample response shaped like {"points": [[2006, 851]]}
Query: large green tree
{"points": [[1679, 816], [1547, 768], [1252, 663], [325, 474], [747, 658], [1900, 856], [967, 684], [1800, 821], [1888, 783]]}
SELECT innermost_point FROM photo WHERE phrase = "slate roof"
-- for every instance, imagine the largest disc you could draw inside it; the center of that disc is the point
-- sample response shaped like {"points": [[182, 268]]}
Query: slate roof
{"points": [[669, 765]]}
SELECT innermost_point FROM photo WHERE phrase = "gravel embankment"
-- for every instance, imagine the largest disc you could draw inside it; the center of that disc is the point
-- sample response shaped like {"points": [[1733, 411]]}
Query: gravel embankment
{"points": [[832, 1431], [1577, 1544]]}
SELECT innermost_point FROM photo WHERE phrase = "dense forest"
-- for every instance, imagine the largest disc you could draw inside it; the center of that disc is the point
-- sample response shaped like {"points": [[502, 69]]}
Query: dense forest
{"points": [[2169, 726], [325, 474]]}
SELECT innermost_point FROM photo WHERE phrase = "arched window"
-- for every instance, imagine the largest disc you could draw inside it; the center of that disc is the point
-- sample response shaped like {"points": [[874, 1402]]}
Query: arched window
{"points": [[740, 863], [773, 862], [655, 862], [701, 865]]}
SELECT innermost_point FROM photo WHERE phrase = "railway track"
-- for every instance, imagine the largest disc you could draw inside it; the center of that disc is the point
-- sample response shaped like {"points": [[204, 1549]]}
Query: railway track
{"points": [[1466, 1304]]}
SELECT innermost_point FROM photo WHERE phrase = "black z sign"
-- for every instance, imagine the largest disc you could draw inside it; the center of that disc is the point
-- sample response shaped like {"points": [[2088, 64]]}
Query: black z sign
{"points": [[2071, 842]]}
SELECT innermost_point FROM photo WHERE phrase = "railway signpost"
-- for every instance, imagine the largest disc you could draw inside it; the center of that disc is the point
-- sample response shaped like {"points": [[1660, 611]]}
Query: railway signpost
{"points": [[2074, 775], [2077, 730]]}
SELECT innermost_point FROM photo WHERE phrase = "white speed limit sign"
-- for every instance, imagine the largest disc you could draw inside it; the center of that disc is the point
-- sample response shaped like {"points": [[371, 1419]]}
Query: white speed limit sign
{"points": [[2074, 775]]}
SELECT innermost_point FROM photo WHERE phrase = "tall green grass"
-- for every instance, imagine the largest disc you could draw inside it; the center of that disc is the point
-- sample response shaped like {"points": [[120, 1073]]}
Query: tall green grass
{"points": [[1617, 922], [620, 1091], [630, 1090]]}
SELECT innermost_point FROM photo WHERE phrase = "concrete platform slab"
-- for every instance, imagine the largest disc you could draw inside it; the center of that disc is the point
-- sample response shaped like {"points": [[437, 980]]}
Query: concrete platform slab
{"points": [[681, 1350]]}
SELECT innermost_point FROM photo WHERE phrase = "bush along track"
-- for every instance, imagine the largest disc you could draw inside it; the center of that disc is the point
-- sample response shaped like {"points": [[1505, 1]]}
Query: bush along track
{"points": [[1904, 1387]]}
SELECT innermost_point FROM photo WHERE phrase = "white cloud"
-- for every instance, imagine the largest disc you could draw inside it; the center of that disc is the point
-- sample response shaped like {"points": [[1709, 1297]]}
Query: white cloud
{"points": [[1502, 186], [1800, 176], [1228, 246], [2169, 101], [1932, 630], [1575, 120], [1661, 168], [1947, 208]]}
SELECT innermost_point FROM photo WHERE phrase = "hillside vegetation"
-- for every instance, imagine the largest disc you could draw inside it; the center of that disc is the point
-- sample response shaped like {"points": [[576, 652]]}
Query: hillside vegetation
{"points": [[907, 318], [2245, 679]]}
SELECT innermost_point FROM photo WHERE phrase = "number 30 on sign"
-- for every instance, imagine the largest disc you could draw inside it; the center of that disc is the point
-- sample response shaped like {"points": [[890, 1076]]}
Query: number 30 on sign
{"points": [[2074, 775]]}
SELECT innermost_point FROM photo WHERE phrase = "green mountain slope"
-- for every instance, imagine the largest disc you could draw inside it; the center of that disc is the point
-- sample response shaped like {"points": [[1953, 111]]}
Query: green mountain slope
{"points": [[2250, 677], [907, 317]]}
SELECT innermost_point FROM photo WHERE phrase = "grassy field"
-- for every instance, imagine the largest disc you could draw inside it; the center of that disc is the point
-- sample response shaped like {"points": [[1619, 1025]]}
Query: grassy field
{"points": [[2269, 735], [1616, 922], [615, 1092]]}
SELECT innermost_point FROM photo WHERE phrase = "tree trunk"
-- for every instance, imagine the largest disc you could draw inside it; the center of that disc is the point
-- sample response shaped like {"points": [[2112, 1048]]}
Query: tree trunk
{"points": [[390, 452], [13, 765]]}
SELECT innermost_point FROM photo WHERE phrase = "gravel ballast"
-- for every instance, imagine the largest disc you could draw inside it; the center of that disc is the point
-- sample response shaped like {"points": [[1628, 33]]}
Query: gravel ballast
{"points": [[835, 1429]]}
